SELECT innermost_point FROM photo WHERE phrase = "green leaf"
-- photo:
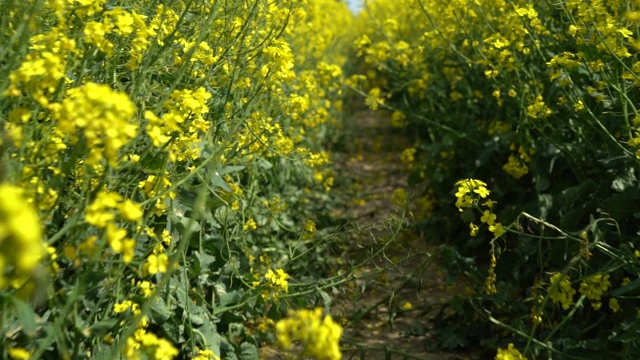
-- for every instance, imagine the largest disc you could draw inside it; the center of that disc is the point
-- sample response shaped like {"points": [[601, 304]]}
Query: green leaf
{"points": [[160, 312], [264, 163], [623, 182], [248, 351], [180, 294], [218, 181], [622, 205], [229, 169], [236, 331], [625, 289], [197, 315], [204, 261], [326, 299], [102, 327], [26, 316], [211, 336], [228, 299], [186, 225]]}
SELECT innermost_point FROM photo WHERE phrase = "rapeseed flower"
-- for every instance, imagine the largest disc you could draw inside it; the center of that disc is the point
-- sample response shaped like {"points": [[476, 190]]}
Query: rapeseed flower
{"points": [[21, 245], [560, 290], [593, 287], [466, 189], [510, 353], [19, 354], [278, 279], [319, 335], [104, 116], [156, 264]]}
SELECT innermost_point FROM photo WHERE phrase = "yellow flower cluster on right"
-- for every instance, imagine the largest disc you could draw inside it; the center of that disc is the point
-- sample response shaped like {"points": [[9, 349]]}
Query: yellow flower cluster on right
{"points": [[593, 287], [469, 193], [319, 335]]}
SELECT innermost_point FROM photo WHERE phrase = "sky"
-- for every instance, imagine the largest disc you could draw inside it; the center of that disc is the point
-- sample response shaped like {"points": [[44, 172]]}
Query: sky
{"points": [[354, 5]]}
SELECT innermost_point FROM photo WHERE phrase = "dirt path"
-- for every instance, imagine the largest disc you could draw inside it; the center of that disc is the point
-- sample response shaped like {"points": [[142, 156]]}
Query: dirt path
{"points": [[380, 322], [395, 266]]}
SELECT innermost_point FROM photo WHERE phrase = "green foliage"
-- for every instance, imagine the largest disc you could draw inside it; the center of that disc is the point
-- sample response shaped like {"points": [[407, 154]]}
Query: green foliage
{"points": [[538, 100], [167, 170]]}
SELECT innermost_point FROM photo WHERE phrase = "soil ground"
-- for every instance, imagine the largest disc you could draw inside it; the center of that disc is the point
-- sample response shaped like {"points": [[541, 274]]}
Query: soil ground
{"points": [[381, 324]]}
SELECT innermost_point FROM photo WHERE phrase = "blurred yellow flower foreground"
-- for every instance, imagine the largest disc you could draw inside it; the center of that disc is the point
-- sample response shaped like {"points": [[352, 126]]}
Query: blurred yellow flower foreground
{"points": [[320, 336]]}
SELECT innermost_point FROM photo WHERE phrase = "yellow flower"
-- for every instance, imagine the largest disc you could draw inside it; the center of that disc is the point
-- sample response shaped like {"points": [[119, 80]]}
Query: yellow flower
{"points": [[130, 211], [408, 156], [473, 229], [121, 307], [278, 279], [560, 290], [206, 355], [119, 243], [19, 354], [97, 213], [309, 226], [489, 203], [156, 264], [102, 115], [466, 188], [593, 287], [250, 225], [319, 336], [374, 99], [497, 229], [510, 353], [406, 306], [488, 217], [614, 305], [399, 197], [398, 119], [146, 288], [20, 234]]}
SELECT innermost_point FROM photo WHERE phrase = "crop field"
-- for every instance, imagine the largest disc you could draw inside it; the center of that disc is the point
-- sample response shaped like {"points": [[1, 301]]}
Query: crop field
{"points": [[187, 179]]}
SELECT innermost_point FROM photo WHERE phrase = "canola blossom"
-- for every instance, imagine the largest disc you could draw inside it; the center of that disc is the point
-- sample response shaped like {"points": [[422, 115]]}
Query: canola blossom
{"points": [[167, 179], [318, 333], [529, 103], [139, 141]]}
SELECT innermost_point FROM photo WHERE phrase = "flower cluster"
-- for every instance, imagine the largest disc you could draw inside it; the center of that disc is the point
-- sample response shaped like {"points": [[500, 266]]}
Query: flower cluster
{"points": [[117, 121], [100, 214], [277, 282], [593, 287], [560, 290], [510, 353], [21, 246], [468, 195], [468, 192], [144, 342], [517, 166], [319, 335]]}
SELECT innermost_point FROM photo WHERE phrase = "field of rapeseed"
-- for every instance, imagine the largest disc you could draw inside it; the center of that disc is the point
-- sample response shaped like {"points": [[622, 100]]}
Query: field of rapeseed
{"points": [[525, 162], [166, 175], [163, 165]]}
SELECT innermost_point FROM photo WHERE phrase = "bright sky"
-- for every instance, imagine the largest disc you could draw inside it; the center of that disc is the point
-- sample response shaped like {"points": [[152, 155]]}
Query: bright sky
{"points": [[355, 5]]}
